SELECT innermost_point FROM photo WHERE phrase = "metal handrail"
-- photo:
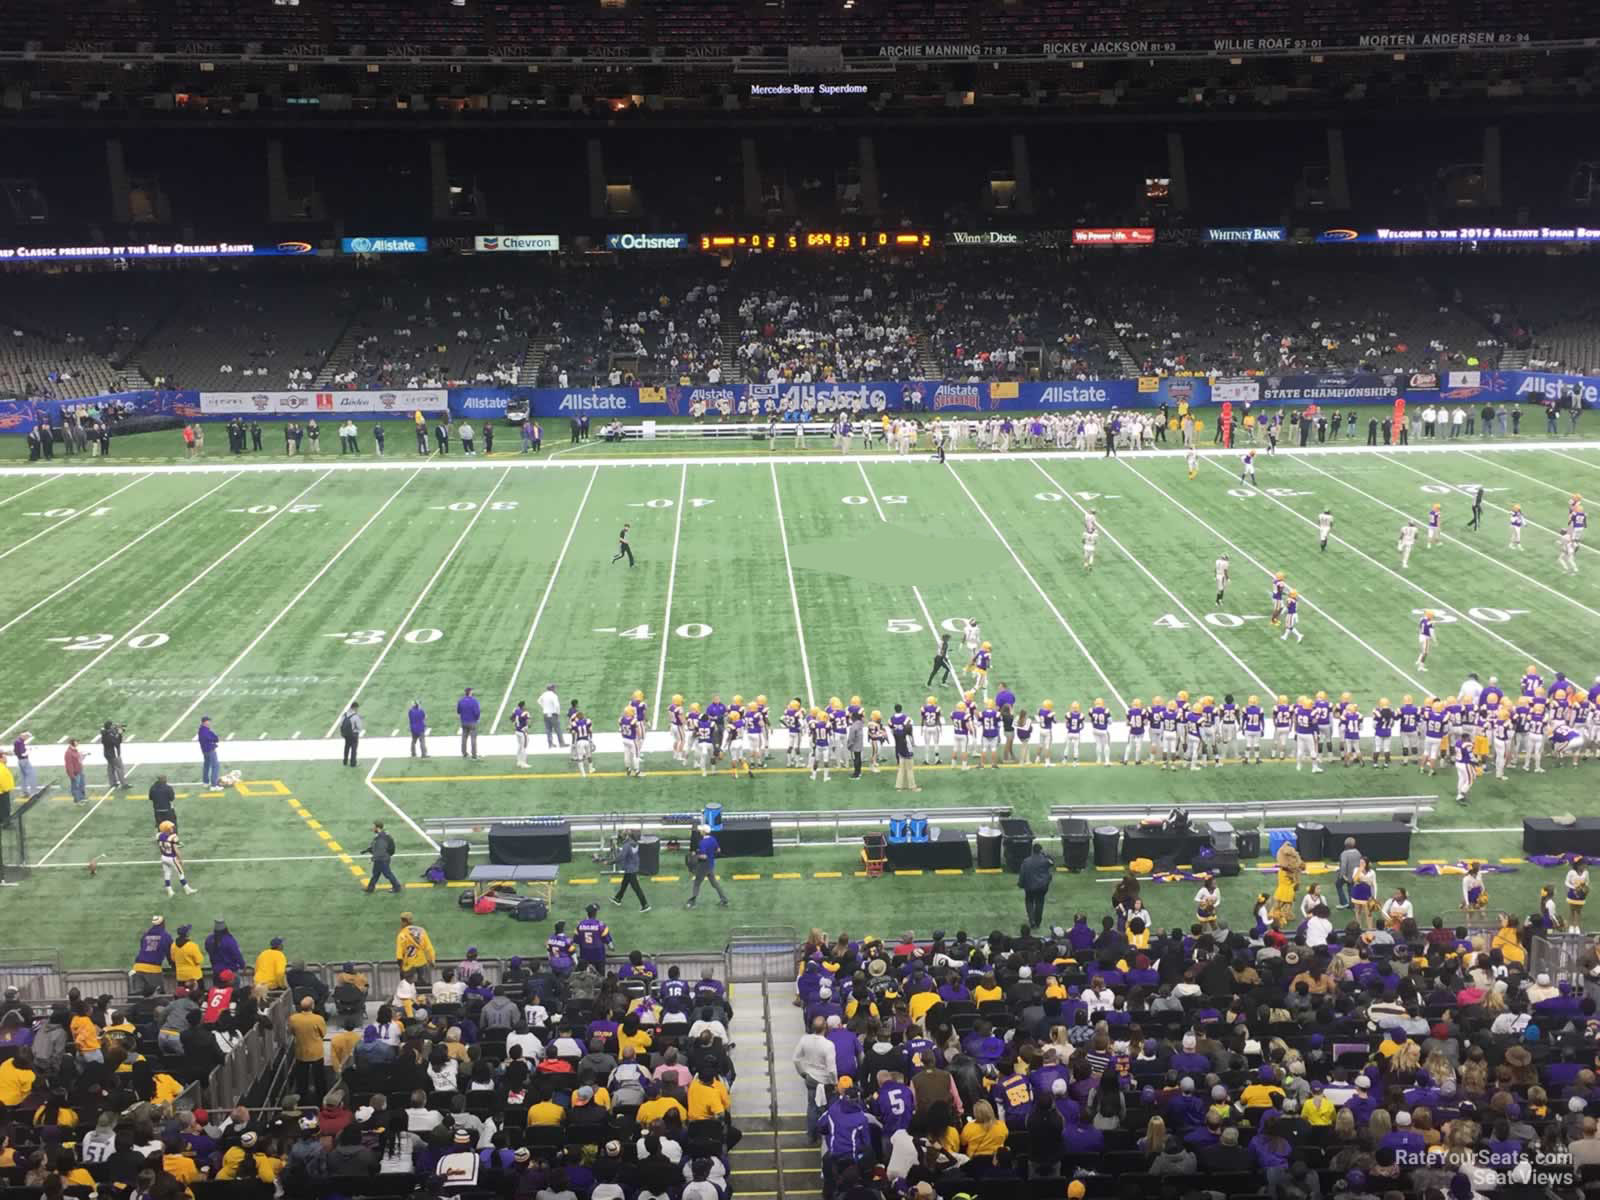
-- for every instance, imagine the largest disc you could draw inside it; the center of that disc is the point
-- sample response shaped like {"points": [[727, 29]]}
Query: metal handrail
{"points": [[836, 822], [1264, 811]]}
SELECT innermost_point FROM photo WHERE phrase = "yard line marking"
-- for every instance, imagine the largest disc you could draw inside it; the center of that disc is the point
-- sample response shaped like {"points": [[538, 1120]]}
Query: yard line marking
{"points": [[284, 611], [164, 605], [794, 597], [94, 808], [395, 808], [516, 671], [405, 622], [1461, 614], [1043, 595], [49, 529], [26, 490], [1266, 570], [933, 630], [711, 458], [1538, 583], [115, 554], [1168, 592], [672, 578], [196, 862], [1582, 462]]}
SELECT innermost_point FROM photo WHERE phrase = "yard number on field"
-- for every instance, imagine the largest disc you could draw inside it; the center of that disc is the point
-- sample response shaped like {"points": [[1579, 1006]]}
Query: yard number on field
{"points": [[99, 641], [868, 500], [1493, 616], [70, 512], [471, 505], [693, 630], [375, 637], [262, 510], [1451, 489], [1221, 620], [663, 502], [1276, 492], [955, 625], [1057, 497]]}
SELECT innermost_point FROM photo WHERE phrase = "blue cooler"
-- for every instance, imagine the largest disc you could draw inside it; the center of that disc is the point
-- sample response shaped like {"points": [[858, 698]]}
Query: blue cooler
{"points": [[897, 828], [1278, 837], [711, 815], [919, 827]]}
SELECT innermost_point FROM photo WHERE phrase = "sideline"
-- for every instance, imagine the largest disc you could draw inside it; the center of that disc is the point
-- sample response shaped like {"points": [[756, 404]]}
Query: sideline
{"points": [[690, 460]]}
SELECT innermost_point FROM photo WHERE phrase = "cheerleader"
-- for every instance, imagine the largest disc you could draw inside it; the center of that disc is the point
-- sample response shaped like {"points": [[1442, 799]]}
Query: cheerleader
{"points": [[1311, 901], [1023, 728], [1206, 902], [1577, 893], [1474, 896], [1363, 889], [1397, 909], [1263, 914], [1547, 906]]}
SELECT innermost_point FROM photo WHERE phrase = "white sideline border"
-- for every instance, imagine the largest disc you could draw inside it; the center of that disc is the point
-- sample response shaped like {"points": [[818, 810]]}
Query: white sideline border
{"points": [[782, 460]]}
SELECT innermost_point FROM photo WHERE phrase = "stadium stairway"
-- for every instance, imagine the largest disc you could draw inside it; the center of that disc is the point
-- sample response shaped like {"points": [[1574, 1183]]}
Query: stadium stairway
{"points": [[774, 1160], [533, 361], [727, 351]]}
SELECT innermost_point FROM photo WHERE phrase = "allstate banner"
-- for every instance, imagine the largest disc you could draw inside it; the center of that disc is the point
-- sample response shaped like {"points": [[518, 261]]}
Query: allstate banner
{"points": [[397, 401], [1534, 387]]}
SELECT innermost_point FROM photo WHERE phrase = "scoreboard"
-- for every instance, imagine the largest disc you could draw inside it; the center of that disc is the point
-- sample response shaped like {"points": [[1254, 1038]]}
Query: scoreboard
{"points": [[816, 240]]}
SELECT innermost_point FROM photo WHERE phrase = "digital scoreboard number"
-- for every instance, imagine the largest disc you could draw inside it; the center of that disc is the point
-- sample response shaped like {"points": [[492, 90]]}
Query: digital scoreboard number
{"points": [[816, 240]]}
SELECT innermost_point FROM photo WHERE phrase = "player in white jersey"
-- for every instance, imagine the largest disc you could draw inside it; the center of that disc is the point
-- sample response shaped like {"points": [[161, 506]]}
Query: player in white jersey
{"points": [[171, 850], [1221, 568], [1408, 541], [1568, 552], [1324, 527], [1192, 458], [932, 727], [1090, 539], [1517, 522], [1424, 638], [972, 636], [1091, 523]]}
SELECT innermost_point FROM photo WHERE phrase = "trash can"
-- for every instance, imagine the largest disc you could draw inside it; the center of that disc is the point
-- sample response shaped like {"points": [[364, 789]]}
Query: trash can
{"points": [[1018, 835], [1074, 843], [1223, 836], [1308, 837], [711, 815], [454, 854], [649, 856], [1107, 843], [989, 842], [1249, 843]]}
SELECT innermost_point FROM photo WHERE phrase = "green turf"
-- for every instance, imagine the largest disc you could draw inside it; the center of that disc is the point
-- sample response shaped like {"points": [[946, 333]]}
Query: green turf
{"points": [[166, 446], [249, 640]]}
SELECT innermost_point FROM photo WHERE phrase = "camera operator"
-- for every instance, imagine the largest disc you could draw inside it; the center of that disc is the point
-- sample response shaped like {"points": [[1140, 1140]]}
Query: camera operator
{"points": [[111, 735]]}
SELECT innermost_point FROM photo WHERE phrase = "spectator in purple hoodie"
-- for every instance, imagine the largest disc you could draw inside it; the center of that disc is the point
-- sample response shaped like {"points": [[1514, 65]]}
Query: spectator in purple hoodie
{"points": [[211, 768], [469, 713]]}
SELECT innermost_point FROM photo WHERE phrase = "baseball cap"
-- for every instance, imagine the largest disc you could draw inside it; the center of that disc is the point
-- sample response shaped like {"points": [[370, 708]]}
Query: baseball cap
{"points": [[1362, 1083], [522, 1154], [583, 1095], [462, 1137], [225, 976], [276, 942]]}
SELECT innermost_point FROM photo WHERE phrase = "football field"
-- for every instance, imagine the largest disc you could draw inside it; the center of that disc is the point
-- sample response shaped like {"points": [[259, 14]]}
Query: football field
{"points": [[267, 597]]}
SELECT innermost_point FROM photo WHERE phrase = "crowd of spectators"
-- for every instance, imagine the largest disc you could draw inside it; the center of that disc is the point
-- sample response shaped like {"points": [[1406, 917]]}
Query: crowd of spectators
{"points": [[1297, 1060], [967, 315], [560, 1076]]}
